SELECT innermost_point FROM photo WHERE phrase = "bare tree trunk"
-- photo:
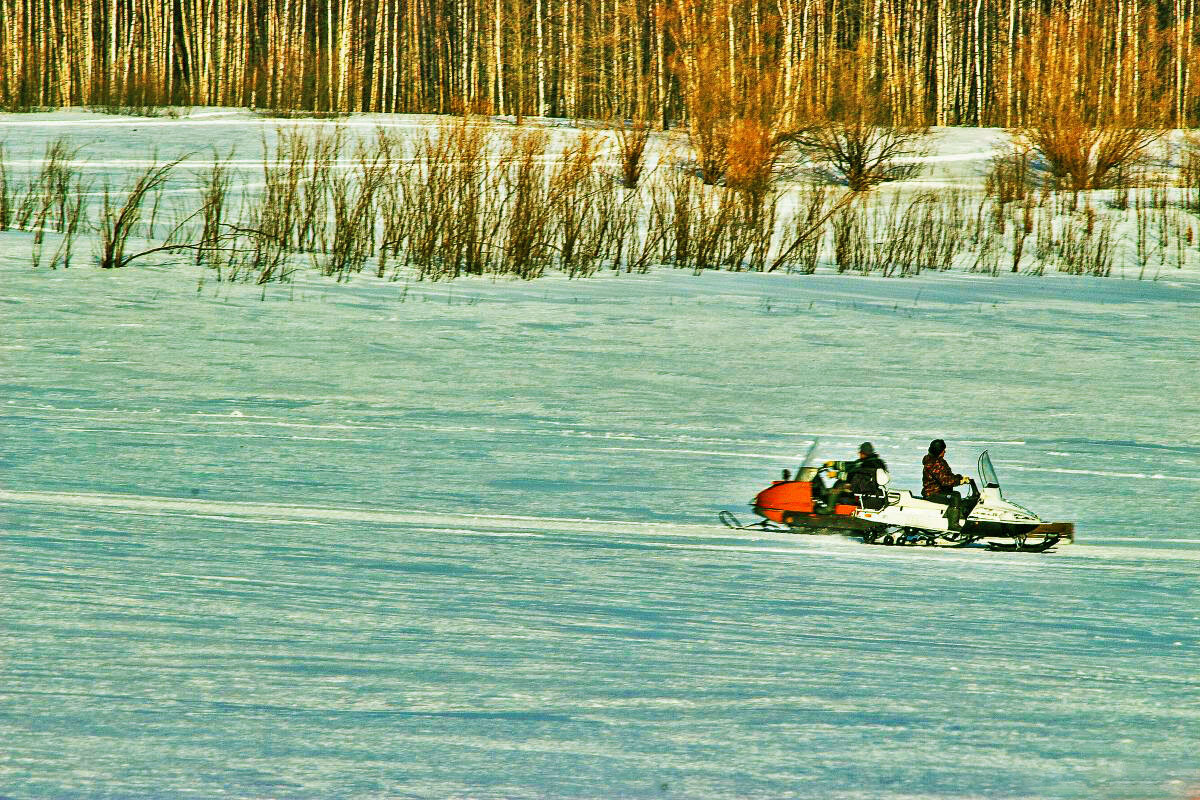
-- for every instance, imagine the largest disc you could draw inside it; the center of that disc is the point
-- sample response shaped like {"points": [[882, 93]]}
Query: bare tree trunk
{"points": [[499, 61], [1179, 61], [1187, 59], [541, 59], [663, 81], [1010, 82], [941, 70], [519, 59], [732, 66], [978, 63], [788, 60]]}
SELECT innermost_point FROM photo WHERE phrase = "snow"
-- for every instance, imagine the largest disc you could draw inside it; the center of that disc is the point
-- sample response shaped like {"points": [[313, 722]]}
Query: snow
{"points": [[459, 540]]}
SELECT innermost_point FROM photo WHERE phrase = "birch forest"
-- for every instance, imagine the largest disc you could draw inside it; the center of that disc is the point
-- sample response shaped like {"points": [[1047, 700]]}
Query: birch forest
{"points": [[932, 62]]}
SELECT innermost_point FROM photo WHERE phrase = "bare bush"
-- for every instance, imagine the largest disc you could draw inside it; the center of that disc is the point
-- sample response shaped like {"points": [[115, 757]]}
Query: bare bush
{"points": [[1078, 241], [849, 230], [750, 230], [473, 192], [47, 195], [1082, 141], [526, 251], [52, 201], [575, 195], [419, 207], [6, 192], [354, 202], [1022, 227], [1189, 171], [939, 224], [644, 232], [1010, 174], [675, 203], [899, 234], [317, 161], [802, 235], [860, 154], [709, 112], [73, 221], [1087, 249], [441, 213], [856, 139], [117, 222], [1078, 156], [214, 193], [712, 217], [631, 140], [282, 179], [751, 158]]}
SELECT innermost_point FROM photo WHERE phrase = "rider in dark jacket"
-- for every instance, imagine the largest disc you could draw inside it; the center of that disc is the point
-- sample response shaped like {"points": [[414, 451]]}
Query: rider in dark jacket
{"points": [[861, 476], [863, 473]]}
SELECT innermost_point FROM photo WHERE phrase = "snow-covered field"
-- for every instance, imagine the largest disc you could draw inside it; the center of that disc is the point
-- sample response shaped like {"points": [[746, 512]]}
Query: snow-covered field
{"points": [[459, 540]]}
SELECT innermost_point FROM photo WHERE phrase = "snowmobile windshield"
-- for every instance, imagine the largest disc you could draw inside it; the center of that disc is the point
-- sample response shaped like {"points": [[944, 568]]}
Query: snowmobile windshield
{"points": [[987, 473]]}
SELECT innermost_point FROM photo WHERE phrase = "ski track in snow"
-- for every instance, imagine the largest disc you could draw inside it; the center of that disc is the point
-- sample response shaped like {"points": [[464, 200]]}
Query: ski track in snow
{"points": [[459, 540]]}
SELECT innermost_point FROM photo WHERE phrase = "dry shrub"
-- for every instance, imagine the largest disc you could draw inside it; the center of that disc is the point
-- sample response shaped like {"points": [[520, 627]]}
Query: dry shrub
{"points": [[856, 139], [47, 195], [712, 232], [940, 220], [709, 129], [750, 174], [716, 93], [1078, 241], [581, 207], [73, 221], [631, 140], [899, 235], [471, 192], [644, 231], [418, 207], [694, 222], [354, 199], [525, 244], [273, 222], [214, 192], [6, 194], [751, 156], [698, 28], [118, 222], [1010, 174], [282, 179], [1022, 226], [675, 210], [1189, 172], [440, 211], [312, 210], [802, 235], [53, 201], [1079, 156], [1088, 122]]}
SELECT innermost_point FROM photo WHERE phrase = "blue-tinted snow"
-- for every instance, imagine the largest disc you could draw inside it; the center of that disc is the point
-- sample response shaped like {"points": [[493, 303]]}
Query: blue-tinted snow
{"points": [[459, 540]]}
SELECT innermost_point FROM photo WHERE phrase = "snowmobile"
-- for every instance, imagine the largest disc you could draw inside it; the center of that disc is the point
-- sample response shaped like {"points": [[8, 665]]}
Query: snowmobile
{"points": [[898, 517]]}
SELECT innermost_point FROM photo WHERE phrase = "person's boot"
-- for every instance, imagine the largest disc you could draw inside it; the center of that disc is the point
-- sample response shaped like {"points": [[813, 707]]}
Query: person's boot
{"points": [[952, 518]]}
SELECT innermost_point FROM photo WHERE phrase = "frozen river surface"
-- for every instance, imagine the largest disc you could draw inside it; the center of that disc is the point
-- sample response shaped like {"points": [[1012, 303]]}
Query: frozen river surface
{"points": [[436, 541]]}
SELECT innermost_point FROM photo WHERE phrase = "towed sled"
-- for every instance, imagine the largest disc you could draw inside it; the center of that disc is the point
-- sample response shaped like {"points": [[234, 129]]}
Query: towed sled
{"points": [[898, 517]]}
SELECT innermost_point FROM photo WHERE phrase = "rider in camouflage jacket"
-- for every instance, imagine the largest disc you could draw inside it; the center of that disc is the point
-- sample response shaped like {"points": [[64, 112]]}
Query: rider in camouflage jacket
{"points": [[937, 477]]}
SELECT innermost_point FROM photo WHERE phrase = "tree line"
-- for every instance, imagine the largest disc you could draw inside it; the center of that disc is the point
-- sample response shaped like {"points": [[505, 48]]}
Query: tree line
{"points": [[940, 62]]}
